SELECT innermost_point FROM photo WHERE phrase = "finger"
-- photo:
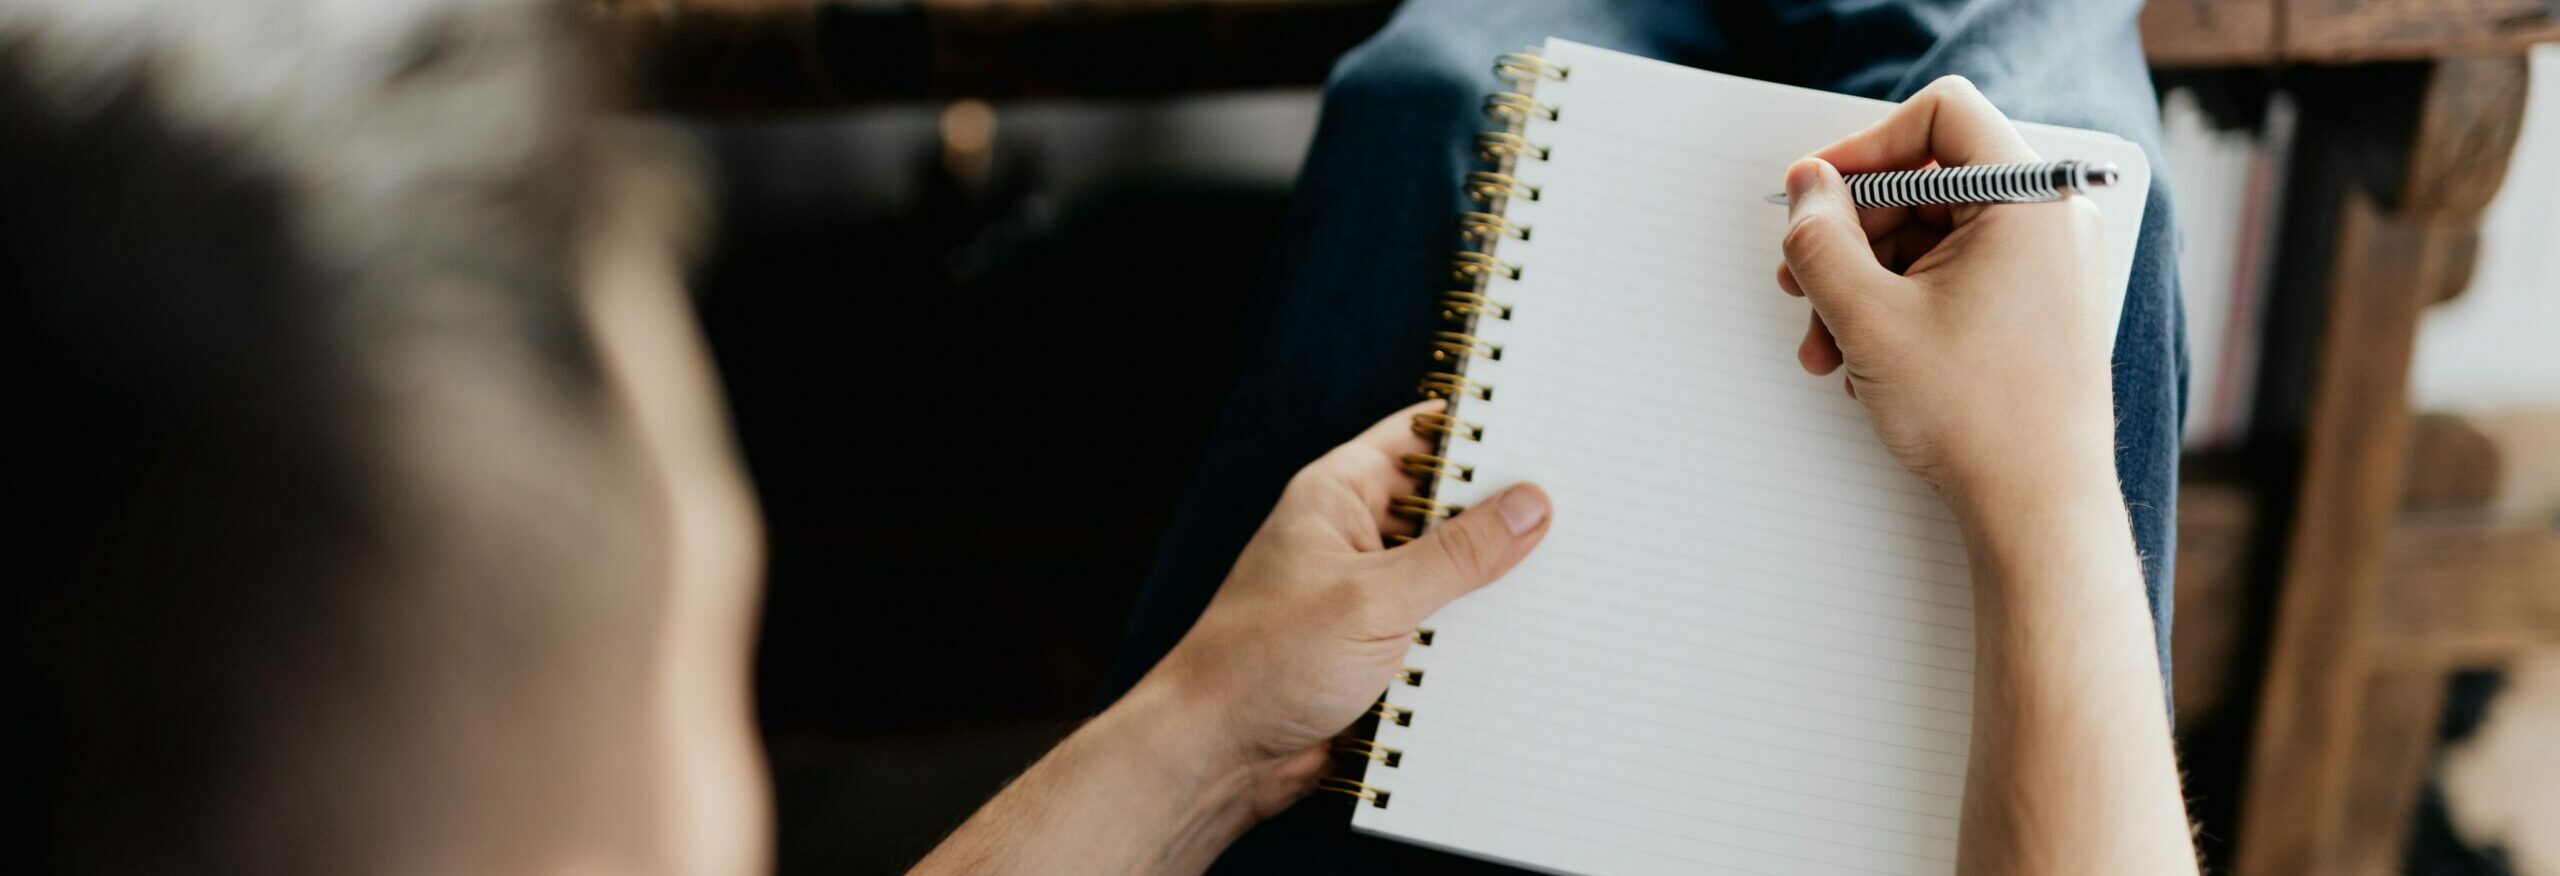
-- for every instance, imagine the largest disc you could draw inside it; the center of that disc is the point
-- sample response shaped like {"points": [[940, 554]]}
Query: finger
{"points": [[1949, 122], [1393, 437], [1819, 353], [1470, 550], [1877, 223], [1826, 252], [1373, 463]]}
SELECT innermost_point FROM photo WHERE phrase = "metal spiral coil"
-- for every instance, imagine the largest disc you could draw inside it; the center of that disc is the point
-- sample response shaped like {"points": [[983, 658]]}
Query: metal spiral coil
{"points": [[1355, 745], [1419, 508], [1437, 466], [1451, 346], [1485, 228], [1501, 147], [1443, 384], [1464, 307], [1520, 67], [1512, 108], [1486, 186], [1367, 793], [1476, 266]]}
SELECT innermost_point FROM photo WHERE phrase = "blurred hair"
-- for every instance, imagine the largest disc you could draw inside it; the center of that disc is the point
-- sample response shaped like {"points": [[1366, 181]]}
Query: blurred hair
{"points": [[330, 556]]}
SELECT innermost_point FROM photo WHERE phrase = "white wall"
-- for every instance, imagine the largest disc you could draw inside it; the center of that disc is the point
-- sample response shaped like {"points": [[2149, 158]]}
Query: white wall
{"points": [[2499, 344]]}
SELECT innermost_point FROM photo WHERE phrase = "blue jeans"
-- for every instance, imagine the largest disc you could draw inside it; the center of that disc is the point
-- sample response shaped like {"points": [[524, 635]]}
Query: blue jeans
{"points": [[1346, 310]]}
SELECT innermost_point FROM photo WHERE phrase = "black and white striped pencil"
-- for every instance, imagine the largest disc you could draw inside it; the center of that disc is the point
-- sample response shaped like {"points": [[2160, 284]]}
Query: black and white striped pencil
{"points": [[2026, 183]]}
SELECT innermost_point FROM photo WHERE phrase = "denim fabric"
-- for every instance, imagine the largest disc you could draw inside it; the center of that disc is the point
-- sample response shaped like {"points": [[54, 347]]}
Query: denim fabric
{"points": [[1346, 309]]}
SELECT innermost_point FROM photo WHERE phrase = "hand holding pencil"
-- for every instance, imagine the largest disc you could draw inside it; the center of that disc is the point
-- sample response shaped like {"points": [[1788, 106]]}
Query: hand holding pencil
{"points": [[1975, 336], [2027, 182]]}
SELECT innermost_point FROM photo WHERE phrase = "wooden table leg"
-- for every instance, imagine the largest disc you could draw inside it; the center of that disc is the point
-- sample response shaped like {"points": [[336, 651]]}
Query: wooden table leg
{"points": [[2395, 740], [2336, 755]]}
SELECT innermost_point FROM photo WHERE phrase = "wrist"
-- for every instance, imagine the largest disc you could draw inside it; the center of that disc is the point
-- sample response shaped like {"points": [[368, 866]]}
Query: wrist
{"points": [[2053, 465], [2029, 532], [1128, 792], [2007, 497], [1168, 740]]}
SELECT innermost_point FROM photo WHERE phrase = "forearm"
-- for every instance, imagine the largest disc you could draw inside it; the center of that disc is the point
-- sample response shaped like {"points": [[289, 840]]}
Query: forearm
{"points": [[1133, 791], [2072, 769]]}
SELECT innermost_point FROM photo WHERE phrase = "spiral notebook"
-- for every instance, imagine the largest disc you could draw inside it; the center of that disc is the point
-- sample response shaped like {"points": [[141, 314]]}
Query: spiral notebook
{"points": [[1745, 645]]}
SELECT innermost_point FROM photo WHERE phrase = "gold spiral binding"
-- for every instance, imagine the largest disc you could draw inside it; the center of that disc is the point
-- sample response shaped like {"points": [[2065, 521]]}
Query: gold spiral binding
{"points": [[1442, 384], [1512, 108], [1486, 227], [1475, 266], [1501, 146], [1367, 793], [1457, 306], [1437, 466], [1420, 508], [1523, 66], [1483, 230], [1485, 187], [1371, 750], [1452, 346], [1436, 423]]}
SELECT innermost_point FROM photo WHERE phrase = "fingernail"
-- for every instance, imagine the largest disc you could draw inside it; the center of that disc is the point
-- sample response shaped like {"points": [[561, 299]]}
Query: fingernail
{"points": [[1800, 179], [1522, 509]]}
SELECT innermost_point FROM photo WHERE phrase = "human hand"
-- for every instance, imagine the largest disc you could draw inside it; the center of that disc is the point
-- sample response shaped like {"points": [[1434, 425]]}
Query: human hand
{"points": [[1975, 335], [1315, 618]]}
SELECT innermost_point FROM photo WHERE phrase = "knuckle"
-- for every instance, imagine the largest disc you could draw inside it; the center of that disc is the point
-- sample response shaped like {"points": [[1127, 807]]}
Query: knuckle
{"points": [[2085, 216], [1308, 483], [1804, 239], [2088, 227], [1953, 84], [1462, 550], [1305, 478]]}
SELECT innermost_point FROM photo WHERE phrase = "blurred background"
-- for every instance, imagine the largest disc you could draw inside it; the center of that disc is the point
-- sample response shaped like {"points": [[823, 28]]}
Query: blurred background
{"points": [[964, 250]]}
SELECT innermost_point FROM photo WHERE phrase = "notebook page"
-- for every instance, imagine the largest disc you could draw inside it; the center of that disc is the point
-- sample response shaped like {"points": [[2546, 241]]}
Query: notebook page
{"points": [[1746, 643]]}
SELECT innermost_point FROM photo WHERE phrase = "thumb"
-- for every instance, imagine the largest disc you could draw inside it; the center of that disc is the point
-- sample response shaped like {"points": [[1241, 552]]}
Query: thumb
{"points": [[1826, 249], [1470, 550]]}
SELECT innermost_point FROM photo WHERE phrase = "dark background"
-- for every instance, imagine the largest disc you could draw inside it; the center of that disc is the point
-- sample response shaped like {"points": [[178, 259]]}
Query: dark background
{"points": [[967, 417]]}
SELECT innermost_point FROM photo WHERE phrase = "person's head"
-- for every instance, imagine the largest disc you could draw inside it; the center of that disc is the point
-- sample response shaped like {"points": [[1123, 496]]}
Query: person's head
{"points": [[374, 508]]}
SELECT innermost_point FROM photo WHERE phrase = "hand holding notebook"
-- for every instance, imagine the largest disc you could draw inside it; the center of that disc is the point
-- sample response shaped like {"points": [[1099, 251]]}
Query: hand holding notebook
{"points": [[1315, 612], [1749, 639]]}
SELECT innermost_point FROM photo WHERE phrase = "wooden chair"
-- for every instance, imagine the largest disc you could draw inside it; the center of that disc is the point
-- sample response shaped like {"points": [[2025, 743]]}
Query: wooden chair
{"points": [[2373, 611]]}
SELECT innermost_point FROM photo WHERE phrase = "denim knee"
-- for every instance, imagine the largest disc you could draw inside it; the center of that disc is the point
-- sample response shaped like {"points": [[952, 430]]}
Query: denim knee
{"points": [[1422, 74]]}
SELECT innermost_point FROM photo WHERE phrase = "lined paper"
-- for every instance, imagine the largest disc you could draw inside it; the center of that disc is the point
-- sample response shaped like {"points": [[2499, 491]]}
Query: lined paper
{"points": [[1746, 644]]}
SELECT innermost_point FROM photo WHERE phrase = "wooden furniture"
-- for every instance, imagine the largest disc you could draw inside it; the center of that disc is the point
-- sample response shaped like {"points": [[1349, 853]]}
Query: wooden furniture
{"points": [[2190, 33], [2373, 610]]}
